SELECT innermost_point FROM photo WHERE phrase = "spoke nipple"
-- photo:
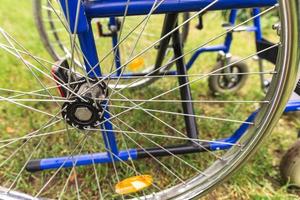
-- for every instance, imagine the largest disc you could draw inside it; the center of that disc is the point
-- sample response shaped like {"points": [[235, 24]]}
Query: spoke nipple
{"points": [[277, 27]]}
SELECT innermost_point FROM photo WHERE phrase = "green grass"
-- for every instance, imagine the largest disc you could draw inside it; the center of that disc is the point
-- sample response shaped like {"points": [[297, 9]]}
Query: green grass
{"points": [[258, 179]]}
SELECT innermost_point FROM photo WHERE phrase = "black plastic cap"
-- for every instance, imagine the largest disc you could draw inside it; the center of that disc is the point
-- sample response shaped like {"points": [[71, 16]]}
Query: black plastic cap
{"points": [[34, 166]]}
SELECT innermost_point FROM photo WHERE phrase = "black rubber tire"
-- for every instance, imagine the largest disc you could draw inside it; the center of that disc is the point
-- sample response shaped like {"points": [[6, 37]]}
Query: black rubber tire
{"points": [[214, 81], [37, 14], [290, 165]]}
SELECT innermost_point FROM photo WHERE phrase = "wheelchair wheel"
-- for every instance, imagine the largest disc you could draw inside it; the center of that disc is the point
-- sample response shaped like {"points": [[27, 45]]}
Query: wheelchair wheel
{"points": [[67, 134], [229, 80], [290, 165], [55, 38]]}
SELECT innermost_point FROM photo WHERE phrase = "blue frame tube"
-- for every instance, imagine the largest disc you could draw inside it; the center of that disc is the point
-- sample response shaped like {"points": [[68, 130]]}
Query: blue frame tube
{"points": [[87, 159], [203, 50], [258, 32], [228, 38], [88, 48], [108, 135], [108, 8], [80, 25]]}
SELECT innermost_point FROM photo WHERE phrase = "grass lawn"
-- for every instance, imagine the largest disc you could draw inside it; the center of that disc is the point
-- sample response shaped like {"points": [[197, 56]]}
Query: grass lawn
{"points": [[258, 179]]}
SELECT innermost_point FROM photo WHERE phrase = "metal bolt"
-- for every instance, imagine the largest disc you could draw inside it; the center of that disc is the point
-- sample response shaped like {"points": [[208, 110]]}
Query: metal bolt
{"points": [[277, 27], [113, 28], [83, 114]]}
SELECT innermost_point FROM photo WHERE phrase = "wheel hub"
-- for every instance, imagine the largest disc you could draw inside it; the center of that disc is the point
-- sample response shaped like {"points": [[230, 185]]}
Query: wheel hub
{"points": [[84, 109], [83, 114]]}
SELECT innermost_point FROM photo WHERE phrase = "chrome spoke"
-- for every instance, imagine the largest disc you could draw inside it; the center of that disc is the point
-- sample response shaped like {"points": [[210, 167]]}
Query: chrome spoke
{"points": [[27, 107], [81, 143], [183, 114]]}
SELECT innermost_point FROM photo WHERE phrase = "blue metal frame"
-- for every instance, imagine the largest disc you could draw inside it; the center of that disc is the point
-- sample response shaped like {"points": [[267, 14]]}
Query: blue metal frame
{"points": [[225, 47], [107, 8]]}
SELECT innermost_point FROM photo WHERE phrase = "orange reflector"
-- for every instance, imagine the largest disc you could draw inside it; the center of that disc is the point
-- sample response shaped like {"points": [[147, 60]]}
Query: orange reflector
{"points": [[133, 184], [136, 64]]}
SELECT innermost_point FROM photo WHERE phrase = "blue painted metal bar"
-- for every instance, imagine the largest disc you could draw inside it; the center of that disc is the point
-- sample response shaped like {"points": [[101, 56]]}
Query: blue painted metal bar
{"points": [[292, 106], [88, 48], [258, 32], [109, 135], [235, 137], [108, 8], [88, 159], [70, 10], [203, 50], [80, 25], [228, 38]]}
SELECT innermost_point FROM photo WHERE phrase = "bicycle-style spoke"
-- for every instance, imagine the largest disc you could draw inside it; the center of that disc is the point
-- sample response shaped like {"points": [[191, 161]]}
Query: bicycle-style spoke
{"points": [[34, 67], [79, 146], [27, 107], [195, 80], [31, 135], [182, 114], [45, 126], [132, 167], [159, 146]]}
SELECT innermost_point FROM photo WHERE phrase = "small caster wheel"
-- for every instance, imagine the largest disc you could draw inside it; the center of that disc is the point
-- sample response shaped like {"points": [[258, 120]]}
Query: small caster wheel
{"points": [[233, 79], [290, 165]]}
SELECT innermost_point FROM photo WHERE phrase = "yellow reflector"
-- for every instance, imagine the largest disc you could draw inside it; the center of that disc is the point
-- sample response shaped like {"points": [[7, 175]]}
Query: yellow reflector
{"points": [[136, 64], [133, 184]]}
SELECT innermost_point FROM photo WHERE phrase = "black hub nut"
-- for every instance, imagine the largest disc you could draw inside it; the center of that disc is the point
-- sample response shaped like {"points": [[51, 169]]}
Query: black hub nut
{"points": [[81, 114], [86, 111]]}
